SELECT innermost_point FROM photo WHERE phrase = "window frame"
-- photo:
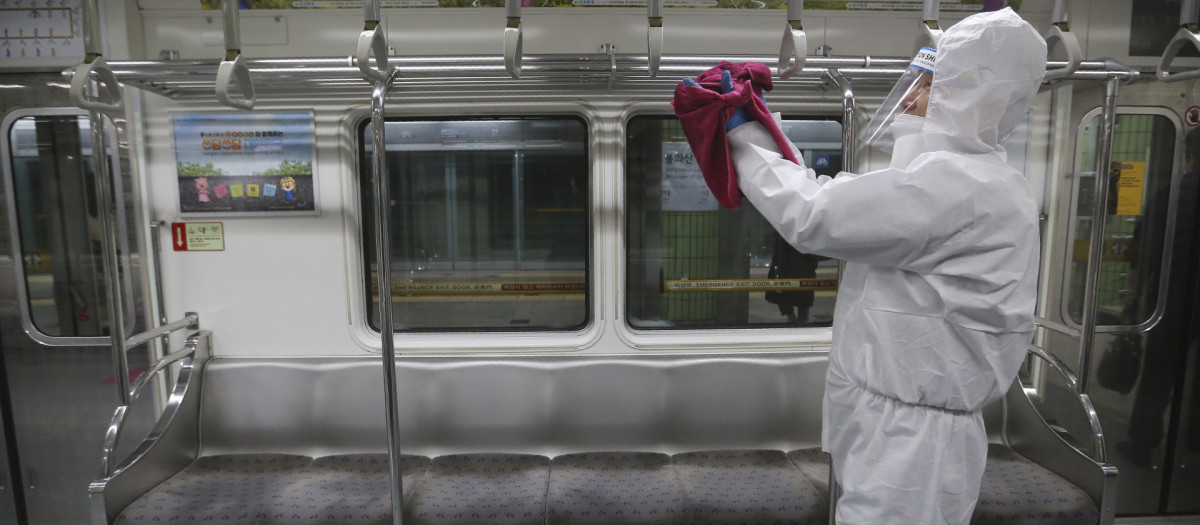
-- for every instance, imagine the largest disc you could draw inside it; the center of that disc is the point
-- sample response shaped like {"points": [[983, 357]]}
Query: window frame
{"points": [[471, 340], [22, 282], [1169, 233], [749, 340]]}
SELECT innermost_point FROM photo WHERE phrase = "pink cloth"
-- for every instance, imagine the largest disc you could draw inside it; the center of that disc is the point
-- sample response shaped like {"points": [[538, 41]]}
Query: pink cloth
{"points": [[703, 111]]}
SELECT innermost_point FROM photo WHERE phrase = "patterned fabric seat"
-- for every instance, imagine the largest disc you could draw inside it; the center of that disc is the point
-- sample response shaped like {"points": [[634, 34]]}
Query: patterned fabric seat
{"points": [[1016, 490], [482, 488], [814, 463], [236, 489], [748, 486], [614, 487], [350, 489]]}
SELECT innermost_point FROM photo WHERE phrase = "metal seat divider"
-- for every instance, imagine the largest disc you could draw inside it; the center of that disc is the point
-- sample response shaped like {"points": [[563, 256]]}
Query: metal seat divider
{"points": [[373, 39]]}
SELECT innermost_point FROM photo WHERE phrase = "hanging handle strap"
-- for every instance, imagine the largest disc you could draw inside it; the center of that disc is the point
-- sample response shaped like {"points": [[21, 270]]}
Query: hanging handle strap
{"points": [[1060, 33], [233, 67], [372, 42], [654, 35], [513, 38], [1189, 33], [794, 48], [930, 32], [109, 96]]}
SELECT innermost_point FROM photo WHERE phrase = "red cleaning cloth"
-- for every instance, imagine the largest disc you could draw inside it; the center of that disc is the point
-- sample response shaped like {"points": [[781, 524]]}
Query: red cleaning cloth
{"points": [[703, 111]]}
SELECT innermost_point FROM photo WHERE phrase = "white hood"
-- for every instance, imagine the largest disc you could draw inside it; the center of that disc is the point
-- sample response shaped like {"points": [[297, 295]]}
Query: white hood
{"points": [[988, 70]]}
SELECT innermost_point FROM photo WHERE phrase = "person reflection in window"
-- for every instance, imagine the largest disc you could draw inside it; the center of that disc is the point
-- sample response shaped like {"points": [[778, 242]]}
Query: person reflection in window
{"points": [[1165, 343], [787, 263]]}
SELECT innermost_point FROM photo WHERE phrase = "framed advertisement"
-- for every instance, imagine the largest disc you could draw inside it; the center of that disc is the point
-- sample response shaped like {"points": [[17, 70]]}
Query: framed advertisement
{"points": [[245, 164]]}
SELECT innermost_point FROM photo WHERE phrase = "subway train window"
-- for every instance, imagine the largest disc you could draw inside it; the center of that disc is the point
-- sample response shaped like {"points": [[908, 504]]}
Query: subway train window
{"points": [[694, 264], [489, 223], [56, 219], [1135, 218]]}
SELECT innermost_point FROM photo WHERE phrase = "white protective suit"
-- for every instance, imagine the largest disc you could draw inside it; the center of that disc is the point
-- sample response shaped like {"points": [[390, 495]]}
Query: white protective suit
{"points": [[935, 310]]}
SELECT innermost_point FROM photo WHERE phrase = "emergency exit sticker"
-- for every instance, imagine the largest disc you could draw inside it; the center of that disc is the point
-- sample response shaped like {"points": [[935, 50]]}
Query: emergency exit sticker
{"points": [[198, 236]]}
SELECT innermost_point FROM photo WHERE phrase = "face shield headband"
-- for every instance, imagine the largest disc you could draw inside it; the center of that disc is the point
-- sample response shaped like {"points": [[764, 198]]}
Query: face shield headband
{"points": [[912, 84]]}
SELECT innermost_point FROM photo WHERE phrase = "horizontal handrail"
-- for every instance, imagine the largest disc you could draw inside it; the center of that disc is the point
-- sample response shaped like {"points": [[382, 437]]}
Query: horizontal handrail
{"points": [[1093, 418], [190, 320], [325, 76], [1058, 327]]}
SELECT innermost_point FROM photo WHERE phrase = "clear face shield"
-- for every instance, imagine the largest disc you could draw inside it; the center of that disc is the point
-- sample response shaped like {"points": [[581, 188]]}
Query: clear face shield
{"points": [[908, 97]]}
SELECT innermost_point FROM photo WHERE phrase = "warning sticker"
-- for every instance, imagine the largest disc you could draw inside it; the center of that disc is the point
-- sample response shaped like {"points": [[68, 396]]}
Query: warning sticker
{"points": [[198, 236]]}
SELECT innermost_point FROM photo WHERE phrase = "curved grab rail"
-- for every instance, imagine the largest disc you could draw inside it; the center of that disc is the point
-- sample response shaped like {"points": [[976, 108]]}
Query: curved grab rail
{"points": [[1093, 418], [514, 38], [654, 35], [233, 67], [112, 436], [794, 49]]}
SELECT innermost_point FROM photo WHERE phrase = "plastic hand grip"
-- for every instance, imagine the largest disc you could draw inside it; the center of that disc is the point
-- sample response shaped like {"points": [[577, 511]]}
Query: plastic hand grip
{"points": [[372, 42], [1184, 36], [792, 51], [1071, 45], [79, 85], [227, 72]]}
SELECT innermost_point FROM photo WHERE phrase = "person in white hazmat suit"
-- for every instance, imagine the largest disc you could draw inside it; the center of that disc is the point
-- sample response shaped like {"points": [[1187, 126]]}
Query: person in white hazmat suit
{"points": [[935, 310]]}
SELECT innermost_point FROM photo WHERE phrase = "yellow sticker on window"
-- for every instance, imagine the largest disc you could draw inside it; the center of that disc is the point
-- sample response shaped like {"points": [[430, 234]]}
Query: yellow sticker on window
{"points": [[1131, 179]]}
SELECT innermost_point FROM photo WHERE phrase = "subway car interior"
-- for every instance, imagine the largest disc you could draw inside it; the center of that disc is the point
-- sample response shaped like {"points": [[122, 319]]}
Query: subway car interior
{"points": [[575, 330]]}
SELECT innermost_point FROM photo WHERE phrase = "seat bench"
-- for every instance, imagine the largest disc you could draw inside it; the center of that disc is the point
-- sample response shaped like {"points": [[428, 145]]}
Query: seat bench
{"points": [[561, 440], [722, 486]]}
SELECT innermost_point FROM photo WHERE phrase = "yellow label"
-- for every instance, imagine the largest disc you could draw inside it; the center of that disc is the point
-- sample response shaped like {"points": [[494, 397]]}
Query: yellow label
{"points": [[237, 191], [1131, 179], [251, 190]]}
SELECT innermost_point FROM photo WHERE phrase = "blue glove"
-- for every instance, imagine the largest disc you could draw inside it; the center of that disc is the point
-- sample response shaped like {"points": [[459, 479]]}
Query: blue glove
{"points": [[739, 115]]}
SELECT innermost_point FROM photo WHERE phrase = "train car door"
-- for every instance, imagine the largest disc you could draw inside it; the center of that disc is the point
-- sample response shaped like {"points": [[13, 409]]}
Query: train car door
{"points": [[54, 325], [1146, 294]]}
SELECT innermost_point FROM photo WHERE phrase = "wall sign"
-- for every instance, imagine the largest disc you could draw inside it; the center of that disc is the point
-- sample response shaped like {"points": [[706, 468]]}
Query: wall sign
{"points": [[36, 33], [245, 164], [198, 236], [683, 186]]}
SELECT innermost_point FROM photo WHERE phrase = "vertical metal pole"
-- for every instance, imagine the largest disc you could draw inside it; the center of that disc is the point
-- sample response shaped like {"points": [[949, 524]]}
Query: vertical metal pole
{"points": [[383, 271], [106, 201], [849, 148], [1099, 214]]}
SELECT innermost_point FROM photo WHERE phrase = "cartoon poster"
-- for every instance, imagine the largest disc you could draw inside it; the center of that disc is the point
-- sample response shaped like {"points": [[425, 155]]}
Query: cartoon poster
{"points": [[245, 164]]}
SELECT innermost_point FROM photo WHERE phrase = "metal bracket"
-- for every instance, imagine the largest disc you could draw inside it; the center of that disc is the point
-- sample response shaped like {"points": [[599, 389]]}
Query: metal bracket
{"points": [[794, 48], [513, 38]]}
